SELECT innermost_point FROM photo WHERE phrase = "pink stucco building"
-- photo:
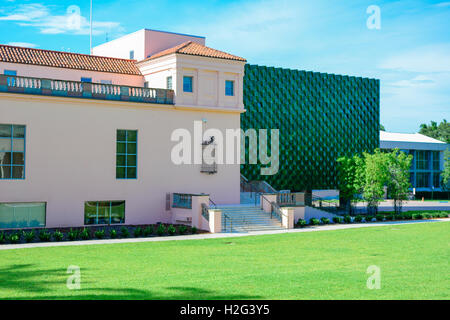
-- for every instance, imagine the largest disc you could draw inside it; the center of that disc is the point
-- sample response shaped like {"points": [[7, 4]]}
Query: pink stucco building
{"points": [[88, 139]]}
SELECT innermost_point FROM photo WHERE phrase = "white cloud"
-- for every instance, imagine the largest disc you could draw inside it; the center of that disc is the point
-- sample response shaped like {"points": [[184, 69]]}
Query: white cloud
{"points": [[443, 4], [23, 44], [72, 22], [432, 58]]}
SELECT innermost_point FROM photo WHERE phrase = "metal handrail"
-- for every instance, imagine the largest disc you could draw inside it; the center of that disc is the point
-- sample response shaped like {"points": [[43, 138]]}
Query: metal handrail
{"points": [[226, 217], [205, 211], [213, 203], [274, 208]]}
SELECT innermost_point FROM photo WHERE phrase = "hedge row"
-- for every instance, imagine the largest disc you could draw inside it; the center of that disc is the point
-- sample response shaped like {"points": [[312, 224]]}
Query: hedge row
{"points": [[373, 218]]}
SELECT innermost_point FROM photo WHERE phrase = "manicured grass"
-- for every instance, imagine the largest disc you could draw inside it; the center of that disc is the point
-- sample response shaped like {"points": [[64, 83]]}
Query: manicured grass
{"points": [[315, 265]]}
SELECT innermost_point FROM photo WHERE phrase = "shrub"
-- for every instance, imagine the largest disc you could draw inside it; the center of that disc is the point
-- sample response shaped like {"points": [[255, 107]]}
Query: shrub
{"points": [[161, 229], [72, 235], [148, 231], [85, 234], [358, 218], [100, 234], [417, 216], [58, 235], [314, 221], [337, 219], [182, 229], [44, 236], [14, 237], [29, 236], [379, 217], [389, 217], [427, 216], [325, 220], [194, 230], [407, 216], [171, 230], [2, 238], [443, 214], [348, 219], [369, 218], [301, 223], [113, 234], [124, 232], [137, 232]]}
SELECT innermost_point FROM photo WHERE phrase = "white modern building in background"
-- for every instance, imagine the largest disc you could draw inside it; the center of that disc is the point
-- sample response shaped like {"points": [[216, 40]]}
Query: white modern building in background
{"points": [[428, 157]]}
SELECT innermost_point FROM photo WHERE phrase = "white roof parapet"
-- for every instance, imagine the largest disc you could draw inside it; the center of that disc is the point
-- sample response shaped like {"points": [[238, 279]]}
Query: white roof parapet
{"points": [[416, 141]]}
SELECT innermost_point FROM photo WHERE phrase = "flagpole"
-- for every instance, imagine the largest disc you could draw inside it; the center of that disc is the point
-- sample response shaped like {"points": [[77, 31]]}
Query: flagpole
{"points": [[90, 33]]}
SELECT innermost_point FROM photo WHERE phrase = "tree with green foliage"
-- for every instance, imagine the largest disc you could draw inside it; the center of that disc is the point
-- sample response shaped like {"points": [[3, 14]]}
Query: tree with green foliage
{"points": [[445, 175], [439, 132], [373, 179], [382, 127], [347, 180], [398, 165]]}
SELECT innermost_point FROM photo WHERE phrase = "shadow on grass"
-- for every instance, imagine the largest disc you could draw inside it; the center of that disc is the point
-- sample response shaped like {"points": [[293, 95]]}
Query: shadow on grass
{"points": [[31, 283]]}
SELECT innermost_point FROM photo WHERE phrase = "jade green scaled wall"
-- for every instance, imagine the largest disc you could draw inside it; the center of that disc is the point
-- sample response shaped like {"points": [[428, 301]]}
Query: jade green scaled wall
{"points": [[320, 117]]}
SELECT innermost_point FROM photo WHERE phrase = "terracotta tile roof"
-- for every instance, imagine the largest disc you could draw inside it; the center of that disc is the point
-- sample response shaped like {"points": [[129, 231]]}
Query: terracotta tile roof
{"points": [[196, 49], [60, 59]]}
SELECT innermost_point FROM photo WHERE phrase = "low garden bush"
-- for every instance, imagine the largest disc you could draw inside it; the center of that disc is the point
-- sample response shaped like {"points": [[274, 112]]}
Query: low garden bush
{"points": [[358, 218], [314, 221], [389, 217], [171, 230], [160, 230], [417, 216], [443, 214], [325, 220], [14, 237], [58, 235], [100, 234], [137, 232], [85, 234], [29, 236], [379, 217], [44, 236], [72, 235], [148, 231], [301, 223], [2, 237], [337, 219], [194, 230], [182, 229], [113, 234], [124, 232], [347, 219]]}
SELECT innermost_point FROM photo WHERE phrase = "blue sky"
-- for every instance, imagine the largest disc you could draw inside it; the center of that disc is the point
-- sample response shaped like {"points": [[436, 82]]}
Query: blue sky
{"points": [[410, 53]]}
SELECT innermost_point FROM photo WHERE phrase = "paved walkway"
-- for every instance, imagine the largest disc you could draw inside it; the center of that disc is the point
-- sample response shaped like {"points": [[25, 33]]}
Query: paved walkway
{"points": [[216, 235]]}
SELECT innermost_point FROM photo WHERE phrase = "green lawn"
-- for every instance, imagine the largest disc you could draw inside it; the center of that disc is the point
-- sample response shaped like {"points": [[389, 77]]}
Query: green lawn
{"points": [[315, 265]]}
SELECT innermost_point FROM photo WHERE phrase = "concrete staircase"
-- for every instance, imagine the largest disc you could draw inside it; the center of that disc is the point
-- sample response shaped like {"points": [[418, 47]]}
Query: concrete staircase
{"points": [[246, 218], [249, 198]]}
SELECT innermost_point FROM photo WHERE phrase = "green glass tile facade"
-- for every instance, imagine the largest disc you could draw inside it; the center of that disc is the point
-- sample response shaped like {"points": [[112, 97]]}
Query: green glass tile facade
{"points": [[320, 117]]}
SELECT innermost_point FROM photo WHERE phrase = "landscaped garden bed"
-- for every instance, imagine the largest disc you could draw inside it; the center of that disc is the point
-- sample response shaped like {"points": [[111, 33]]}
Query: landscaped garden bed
{"points": [[33, 235], [381, 216]]}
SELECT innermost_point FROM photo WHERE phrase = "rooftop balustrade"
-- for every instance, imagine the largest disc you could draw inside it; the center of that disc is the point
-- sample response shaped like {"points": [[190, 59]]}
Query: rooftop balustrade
{"points": [[78, 89]]}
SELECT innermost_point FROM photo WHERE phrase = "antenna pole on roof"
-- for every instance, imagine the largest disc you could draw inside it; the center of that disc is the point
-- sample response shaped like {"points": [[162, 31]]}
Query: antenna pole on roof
{"points": [[90, 33]]}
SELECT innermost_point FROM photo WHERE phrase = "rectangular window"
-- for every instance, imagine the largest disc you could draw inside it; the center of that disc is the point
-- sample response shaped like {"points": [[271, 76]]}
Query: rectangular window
{"points": [[437, 179], [105, 81], [10, 73], [12, 151], [229, 88], [131, 54], [146, 84], [22, 215], [126, 158], [422, 159], [104, 212], [169, 82], [83, 79], [436, 162], [422, 180], [188, 84]]}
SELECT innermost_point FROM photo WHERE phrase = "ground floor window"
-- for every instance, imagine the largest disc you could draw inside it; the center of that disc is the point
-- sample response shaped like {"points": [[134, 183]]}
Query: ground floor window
{"points": [[22, 215], [104, 212], [423, 180], [437, 179]]}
